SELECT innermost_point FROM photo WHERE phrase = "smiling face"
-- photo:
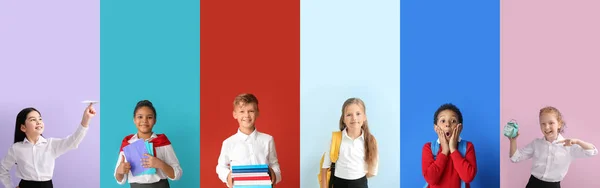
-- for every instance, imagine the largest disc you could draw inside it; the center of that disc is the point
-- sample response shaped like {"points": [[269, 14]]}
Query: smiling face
{"points": [[354, 116], [245, 114], [447, 120], [144, 120], [550, 126], [33, 126]]}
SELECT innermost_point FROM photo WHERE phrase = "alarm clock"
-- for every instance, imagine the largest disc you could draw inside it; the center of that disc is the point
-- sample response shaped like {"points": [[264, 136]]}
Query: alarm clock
{"points": [[511, 128]]}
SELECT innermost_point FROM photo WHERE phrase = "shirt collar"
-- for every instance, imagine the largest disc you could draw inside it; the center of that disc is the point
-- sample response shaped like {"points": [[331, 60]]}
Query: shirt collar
{"points": [[135, 137], [459, 139], [41, 139], [243, 136], [558, 139], [345, 132]]}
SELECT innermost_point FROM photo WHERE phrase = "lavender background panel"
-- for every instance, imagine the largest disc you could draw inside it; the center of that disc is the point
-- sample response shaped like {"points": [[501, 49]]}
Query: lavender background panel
{"points": [[49, 59]]}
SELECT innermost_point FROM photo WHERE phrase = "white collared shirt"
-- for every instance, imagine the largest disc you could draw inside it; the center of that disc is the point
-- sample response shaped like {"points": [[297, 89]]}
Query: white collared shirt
{"points": [[551, 161], [351, 163], [164, 153], [254, 149], [35, 162]]}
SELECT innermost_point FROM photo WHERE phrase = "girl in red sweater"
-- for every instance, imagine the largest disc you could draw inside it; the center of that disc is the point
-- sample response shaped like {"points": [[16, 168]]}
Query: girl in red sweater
{"points": [[454, 164]]}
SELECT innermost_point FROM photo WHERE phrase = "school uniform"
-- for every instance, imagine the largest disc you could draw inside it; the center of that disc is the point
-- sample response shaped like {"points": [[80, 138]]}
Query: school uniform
{"points": [[254, 149], [447, 171], [35, 162], [350, 168], [164, 151], [551, 160]]}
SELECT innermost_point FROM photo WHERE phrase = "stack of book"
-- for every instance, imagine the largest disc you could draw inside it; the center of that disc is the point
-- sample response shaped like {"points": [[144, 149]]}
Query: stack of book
{"points": [[134, 153], [251, 176]]}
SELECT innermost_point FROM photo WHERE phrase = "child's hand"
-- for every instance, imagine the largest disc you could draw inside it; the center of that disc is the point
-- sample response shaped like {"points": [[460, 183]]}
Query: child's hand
{"points": [[454, 138], [88, 114], [569, 142], [152, 162], [515, 138], [272, 176], [229, 180], [442, 138], [124, 167]]}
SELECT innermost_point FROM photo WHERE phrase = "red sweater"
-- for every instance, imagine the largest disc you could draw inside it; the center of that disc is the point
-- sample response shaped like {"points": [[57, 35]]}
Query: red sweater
{"points": [[447, 171]]}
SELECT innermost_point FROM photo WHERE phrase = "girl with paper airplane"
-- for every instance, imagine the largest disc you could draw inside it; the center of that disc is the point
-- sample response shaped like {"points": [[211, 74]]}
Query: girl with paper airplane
{"points": [[146, 159], [33, 154]]}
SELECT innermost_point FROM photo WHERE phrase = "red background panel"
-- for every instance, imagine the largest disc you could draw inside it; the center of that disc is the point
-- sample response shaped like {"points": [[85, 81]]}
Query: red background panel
{"points": [[250, 47]]}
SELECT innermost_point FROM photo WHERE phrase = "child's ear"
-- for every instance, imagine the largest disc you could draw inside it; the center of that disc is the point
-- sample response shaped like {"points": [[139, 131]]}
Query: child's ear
{"points": [[23, 127], [233, 114]]}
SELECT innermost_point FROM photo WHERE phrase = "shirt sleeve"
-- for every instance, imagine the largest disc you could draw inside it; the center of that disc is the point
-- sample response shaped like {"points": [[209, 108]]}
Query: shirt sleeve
{"points": [[7, 163], [223, 163], [578, 152], [172, 160], [326, 159], [117, 167], [432, 168], [273, 161], [466, 167], [524, 153], [63, 145]]}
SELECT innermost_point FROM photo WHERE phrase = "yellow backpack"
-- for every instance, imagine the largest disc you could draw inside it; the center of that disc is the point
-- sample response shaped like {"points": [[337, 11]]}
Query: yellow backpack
{"points": [[334, 151]]}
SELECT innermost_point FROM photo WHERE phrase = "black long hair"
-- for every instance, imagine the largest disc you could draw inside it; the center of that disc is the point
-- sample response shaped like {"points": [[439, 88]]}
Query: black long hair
{"points": [[21, 118]]}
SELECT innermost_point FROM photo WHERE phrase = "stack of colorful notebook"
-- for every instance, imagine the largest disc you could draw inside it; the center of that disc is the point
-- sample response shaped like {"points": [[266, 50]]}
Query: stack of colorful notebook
{"points": [[134, 153], [251, 176]]}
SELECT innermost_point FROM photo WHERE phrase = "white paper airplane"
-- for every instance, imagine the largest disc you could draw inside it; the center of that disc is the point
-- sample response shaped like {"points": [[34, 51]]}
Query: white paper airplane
{"points": [[89, 101]]}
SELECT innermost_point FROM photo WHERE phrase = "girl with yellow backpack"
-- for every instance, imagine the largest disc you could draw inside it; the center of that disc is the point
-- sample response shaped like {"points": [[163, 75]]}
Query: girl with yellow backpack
{"points": [[353, 156]]}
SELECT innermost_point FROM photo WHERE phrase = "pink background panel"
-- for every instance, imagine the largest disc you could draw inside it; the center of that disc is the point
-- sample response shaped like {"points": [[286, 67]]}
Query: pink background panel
{"points": [[550, 55]]}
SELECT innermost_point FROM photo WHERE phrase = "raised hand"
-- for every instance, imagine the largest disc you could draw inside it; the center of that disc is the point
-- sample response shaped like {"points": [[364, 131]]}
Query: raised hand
{"points": [[569, 142], [442, 138], [454, 138], [88, 114]]}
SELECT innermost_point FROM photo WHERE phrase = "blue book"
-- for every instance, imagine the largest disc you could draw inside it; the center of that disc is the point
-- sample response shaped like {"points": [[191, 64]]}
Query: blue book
{"points": [[250, 167], [134, 152], [249, 170]]}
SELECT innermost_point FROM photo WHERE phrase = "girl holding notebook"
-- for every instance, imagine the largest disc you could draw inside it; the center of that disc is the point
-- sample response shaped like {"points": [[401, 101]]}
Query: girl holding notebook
{"points": [[35, 154], [158, 162]]}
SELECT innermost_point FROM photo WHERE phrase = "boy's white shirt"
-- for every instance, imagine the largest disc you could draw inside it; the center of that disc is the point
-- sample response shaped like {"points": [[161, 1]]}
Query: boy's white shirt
{"points": [[164, 153], [551, 160], [254, 149]]}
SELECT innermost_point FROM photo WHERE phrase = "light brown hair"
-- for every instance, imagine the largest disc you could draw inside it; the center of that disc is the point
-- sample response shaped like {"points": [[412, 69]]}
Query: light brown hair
{"points": [[244, 99], [370, 142]]}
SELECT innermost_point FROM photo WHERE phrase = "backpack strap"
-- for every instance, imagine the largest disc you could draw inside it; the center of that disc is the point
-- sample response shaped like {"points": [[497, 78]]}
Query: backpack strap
{"points": [[462, 148], [334, 153], [334, 150], [435, 148]]}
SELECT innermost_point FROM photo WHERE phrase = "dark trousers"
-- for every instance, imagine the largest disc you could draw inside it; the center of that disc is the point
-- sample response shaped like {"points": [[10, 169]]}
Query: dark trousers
{"points": [[537, 183], [343, 183], [163, 183], [35, 184]]}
